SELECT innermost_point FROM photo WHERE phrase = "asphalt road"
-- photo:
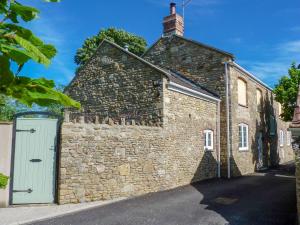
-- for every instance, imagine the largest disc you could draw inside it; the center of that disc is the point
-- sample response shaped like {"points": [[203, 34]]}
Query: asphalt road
{"points": [[258, 199]]}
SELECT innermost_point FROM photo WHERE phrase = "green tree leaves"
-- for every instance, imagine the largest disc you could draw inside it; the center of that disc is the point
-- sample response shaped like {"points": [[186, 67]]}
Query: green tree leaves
{"points": [[136, 44], [19, 45], [3, 181], [286, 92]]}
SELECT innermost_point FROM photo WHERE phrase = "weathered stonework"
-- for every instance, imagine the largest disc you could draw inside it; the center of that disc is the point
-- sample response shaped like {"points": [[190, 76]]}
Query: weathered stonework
{"points": [[117, 85], [101, 161], [244, 162], [205, 66]]}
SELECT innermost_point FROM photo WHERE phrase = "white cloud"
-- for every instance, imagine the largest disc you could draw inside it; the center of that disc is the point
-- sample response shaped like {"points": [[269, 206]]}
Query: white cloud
{"points": [[290, 47], [59, 68], [271, 70]]}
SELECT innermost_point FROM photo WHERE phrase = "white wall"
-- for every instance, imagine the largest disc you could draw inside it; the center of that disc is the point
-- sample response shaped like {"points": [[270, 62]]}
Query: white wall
{"points": [[5, 156]]}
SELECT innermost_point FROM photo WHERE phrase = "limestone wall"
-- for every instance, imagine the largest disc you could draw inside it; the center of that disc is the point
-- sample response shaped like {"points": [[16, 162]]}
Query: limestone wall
{"points": [[243, 162], [106, 161], [199, 63], [115, 83]]}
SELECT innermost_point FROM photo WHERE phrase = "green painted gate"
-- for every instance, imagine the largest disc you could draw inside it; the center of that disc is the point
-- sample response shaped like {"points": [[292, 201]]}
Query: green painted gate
{"points": [[34, 161]]}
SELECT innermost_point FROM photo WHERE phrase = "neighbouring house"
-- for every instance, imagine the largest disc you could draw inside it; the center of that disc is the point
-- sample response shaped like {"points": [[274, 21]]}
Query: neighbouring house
{"points": [[181, 113]]}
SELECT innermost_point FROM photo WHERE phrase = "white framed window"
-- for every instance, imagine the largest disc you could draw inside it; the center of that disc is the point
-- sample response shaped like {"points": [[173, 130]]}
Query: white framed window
{"points": [[243, 137], [288, 138], [242, 92], [281, 138], [259, 100], [208, 139]]}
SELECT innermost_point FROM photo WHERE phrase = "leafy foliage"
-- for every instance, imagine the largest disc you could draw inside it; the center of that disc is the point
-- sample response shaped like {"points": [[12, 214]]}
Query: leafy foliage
{"points": [[286, 92], [18, 45], [136, 44], [7, 109], [3, 181]]}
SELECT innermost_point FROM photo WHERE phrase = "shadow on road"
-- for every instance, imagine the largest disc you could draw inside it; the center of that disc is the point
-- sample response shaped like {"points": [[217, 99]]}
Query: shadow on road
{"points": [[266, 198]]}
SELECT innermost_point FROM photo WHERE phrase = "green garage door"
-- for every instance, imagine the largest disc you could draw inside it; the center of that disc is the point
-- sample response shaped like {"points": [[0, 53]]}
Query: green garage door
{"points": [[34, 173]]}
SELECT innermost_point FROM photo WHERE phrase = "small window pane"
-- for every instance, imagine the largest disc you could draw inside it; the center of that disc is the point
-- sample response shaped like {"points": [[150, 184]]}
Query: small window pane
{"points": [[243, 137], [281, 138], [240, 137], [208, 139]]}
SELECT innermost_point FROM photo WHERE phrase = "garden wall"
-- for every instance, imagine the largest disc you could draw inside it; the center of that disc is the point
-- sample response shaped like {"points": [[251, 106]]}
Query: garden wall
{"points": [[5, 153], [101, 161]]}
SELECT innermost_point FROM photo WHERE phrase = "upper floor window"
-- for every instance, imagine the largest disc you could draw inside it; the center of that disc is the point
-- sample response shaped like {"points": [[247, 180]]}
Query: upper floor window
{"points": [[242, 92], [243, 137], [281, 138], [288, 138], [259, 100], [208, 140]]}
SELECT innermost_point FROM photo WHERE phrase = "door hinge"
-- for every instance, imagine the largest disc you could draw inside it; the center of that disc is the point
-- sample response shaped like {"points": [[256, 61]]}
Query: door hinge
{"points": [[31, 130], [28, 191]]}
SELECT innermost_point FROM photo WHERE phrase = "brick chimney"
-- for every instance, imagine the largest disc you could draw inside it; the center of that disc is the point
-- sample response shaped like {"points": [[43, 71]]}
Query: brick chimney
{"points": [[173, 24]]}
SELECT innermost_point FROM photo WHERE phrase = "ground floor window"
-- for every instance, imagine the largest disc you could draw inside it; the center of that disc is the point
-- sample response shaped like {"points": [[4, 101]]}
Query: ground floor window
{"points": [[288, 138], [208, 140], [243, 137], [281, 138]]}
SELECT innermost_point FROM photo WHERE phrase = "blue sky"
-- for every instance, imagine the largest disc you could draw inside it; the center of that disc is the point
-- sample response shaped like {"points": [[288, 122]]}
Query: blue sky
{"points": [[264, 35]]}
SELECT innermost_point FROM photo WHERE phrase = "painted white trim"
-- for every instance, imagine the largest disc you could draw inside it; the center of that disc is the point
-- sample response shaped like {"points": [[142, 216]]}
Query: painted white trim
{"points": [[281, 138], [206, 132], [187, 91], [251, 76], [245, 148]]}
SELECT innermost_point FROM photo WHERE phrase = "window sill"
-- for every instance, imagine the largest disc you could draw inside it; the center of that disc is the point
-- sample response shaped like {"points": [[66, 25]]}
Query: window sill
{"points": [[208, 149], [243, 149]]}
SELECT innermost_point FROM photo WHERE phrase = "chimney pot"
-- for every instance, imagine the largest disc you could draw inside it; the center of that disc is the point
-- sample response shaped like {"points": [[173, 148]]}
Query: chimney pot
{"points": [[172, 8], [173, 23]]}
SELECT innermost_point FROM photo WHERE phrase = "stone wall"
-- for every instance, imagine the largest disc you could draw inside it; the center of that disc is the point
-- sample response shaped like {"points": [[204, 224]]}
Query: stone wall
{"points": [[199, 63], [243, 162], [116, 84], [101, 161], [186, 119]]}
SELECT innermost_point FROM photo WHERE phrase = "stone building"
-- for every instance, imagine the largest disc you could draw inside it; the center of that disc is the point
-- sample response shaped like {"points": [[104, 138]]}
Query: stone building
{"points": [[295, 129], [181, 113]]}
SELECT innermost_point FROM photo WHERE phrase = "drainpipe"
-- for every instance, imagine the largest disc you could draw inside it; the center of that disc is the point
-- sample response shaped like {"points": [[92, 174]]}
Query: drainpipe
{"points": [[219, 134], [227, 120]]}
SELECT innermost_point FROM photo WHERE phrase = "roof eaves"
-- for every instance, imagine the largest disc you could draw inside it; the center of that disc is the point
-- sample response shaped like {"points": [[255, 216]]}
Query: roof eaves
{"points": [[251, 75]]}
